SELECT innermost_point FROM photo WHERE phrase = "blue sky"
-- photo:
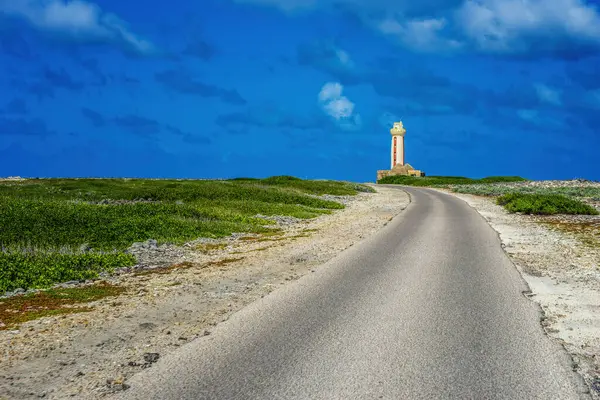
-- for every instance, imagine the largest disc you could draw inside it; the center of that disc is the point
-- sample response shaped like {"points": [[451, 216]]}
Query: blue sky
{"points": [[226, 88]]}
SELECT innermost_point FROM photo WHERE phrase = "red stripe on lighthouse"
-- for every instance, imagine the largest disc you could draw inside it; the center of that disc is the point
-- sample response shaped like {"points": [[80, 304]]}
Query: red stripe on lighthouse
{"points": [[394, 151]]}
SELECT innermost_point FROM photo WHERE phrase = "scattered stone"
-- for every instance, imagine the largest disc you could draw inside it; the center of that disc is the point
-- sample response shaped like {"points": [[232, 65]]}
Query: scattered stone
{"points": [[117, 385], [596, 385], [280, 220], [151, 358], [147, 325]]}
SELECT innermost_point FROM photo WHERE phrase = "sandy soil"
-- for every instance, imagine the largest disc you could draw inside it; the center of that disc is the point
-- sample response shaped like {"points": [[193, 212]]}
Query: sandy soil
{"points": [[91, 355], [562, 268]]}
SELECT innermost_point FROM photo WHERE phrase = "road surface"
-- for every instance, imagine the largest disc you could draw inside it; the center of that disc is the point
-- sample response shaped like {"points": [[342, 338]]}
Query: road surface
{"points": [[429, 307]]}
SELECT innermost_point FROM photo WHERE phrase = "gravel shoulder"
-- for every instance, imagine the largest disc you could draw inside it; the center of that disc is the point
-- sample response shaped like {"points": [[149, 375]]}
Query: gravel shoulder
{"points": [[91, 355], [559, 258]]}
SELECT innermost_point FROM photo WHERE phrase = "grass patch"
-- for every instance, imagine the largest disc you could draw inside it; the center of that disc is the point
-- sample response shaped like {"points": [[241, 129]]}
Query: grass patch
{"points": [[169, 269], [318, 187], [19, 309], [109, 215], [259, 249], [248, 238], [445, 180], [272, 233], [210, 247], [187, 265], [588, 232], [544, 204], [37, 269], [223, 262]]}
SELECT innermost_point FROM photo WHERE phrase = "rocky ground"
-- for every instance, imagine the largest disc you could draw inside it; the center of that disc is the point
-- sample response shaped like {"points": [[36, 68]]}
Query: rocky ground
{"points": [[91, 355], [559, 258]]}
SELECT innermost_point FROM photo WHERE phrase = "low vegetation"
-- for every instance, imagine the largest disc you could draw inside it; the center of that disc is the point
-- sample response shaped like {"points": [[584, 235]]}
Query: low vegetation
{"points": [[588, 231], [19, 309], [445, 180], [25, 268], [544, 204], [54, 230], [498, 190]]}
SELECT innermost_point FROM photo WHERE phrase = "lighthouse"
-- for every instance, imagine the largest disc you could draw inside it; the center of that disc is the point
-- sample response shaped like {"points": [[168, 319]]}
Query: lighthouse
{"points": [[399, 166], [398, 133]]}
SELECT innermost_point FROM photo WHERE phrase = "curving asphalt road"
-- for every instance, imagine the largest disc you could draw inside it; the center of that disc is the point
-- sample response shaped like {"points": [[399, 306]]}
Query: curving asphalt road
{"points": [[429, 307]]}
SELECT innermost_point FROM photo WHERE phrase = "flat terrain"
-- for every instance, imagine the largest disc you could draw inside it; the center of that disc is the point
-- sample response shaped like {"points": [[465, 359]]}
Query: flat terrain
{"points": [[183, 289], [428, 307]]}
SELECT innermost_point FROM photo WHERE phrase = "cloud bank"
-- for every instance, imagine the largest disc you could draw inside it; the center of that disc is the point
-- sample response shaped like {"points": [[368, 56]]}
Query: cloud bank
{"points": [[77, 20], [570, 28]]}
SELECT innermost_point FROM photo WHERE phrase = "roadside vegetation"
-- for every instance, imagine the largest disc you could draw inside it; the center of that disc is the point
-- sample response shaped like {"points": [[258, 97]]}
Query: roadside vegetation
{"points": [[514, 197], [56, 230], [445, 180], [544, 204], [498, 190]]}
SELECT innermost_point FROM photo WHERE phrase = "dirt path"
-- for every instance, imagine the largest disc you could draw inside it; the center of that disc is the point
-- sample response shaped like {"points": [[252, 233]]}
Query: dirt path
{"points": [[91, 355], [562, 269]]}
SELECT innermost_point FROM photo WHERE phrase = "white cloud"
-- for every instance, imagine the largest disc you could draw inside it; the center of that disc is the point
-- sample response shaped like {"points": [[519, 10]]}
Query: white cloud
{"points": [[548, 95], [338, 107], [330, 91], [501, 25], [343, 57], [489, 26], [419, 34], [533, 117], [76, 18]]}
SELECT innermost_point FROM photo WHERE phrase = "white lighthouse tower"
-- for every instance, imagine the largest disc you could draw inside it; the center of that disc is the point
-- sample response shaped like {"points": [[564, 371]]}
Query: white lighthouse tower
{"points": [[399, 166], [398, 133]]}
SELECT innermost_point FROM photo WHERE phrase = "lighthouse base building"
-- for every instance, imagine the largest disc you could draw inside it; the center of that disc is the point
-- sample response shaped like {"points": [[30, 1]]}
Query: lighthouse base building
{"points": [[398, 167]]}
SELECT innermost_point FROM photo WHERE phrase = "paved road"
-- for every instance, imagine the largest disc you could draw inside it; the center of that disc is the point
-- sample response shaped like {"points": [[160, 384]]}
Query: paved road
{"points": [[428, 308]]}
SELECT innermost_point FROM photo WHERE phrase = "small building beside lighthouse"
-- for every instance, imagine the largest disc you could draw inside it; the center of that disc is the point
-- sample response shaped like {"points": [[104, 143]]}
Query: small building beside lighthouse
{"points": [[398, 164]]}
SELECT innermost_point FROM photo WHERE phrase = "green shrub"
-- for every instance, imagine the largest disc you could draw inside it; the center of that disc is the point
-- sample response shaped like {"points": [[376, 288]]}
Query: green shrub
{"points": [[37, 269], [544, 204], [281, 179]]}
